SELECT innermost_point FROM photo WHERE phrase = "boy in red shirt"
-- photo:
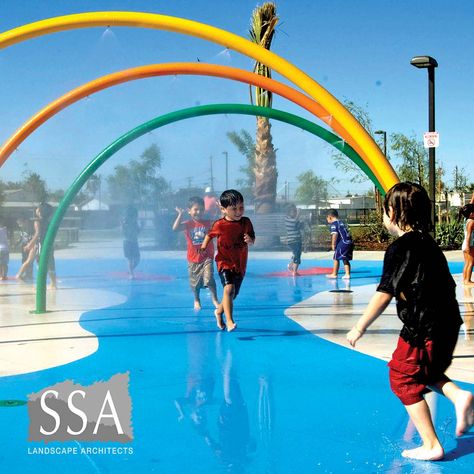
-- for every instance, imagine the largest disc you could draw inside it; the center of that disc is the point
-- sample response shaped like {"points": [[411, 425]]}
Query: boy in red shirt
{"points": [[200, 265], [234, 234]]}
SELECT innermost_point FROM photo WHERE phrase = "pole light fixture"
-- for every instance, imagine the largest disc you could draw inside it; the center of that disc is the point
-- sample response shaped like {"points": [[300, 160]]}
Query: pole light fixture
{"points": [[226, 169], [429, 63]]}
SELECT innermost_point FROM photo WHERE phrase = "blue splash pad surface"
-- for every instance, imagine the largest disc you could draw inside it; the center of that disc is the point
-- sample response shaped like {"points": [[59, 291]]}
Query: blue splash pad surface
{"points": [[267, 398]]}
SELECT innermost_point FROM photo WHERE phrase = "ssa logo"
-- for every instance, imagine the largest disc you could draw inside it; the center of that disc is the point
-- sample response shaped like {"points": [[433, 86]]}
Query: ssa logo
{"points": [[67, 411]]}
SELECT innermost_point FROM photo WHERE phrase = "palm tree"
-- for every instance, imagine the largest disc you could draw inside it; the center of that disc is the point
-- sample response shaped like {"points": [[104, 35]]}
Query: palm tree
{"points": [[262, 29]]}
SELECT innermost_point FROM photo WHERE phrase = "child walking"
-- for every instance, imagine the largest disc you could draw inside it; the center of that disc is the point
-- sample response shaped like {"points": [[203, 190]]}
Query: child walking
{"points": [[294, 239], [341, 243], [200, 264], [467, 212], [234, 233], [416, 273], [44, 213]]}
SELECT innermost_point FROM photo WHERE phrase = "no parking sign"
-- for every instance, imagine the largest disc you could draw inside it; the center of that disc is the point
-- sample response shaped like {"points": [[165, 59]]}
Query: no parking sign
{"points": [[431, 139]]}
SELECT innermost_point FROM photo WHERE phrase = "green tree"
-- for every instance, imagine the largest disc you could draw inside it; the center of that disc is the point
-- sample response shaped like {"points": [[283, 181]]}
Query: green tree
{"points": [[245, 144], [262, 30], [34, 185], [413, 156], [139, 181], [311, 189], [341, 161], [460, 180]]}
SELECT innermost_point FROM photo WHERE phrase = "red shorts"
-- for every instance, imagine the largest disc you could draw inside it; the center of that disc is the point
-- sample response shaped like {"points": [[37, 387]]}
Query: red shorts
{"points": [[414, 369]]}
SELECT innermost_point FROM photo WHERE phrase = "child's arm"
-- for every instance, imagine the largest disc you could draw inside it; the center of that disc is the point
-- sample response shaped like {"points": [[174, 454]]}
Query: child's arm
{"points": [[35, 237], [333, 241], [469, 231], [177, 222], [375, 308], [205, 243], [248, 240]]}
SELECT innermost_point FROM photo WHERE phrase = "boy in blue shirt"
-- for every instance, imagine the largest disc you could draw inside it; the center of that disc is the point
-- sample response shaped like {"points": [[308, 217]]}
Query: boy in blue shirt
{"points": [[341, 243]]}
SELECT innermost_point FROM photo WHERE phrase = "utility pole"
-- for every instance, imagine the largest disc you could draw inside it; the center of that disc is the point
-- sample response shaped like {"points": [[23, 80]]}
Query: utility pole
{"points": [[212, 175], [226, 169]]}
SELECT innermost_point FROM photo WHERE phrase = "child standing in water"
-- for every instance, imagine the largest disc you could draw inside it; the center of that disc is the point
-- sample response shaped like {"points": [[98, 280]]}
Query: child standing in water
{"points": [[467, 212], [294, 239], [416, 273], [234, 233], [200, 265], [130, 230], [341, 244]]}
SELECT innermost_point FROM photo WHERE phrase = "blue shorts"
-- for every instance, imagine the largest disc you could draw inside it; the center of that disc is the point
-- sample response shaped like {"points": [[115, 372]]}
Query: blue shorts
{"points": [[229, 277], [343, 251]]}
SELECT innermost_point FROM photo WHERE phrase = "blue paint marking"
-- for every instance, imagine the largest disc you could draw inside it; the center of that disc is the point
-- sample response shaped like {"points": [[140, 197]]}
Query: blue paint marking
{"points": [[268, 398]]}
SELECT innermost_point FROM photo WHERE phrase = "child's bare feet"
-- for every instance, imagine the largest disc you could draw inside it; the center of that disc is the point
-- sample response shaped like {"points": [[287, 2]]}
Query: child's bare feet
{"points": [[346, 277], [464, 406], [424, 454], [331, 276], [220, 323], [231, 327], [197, 305], [291, 267]]}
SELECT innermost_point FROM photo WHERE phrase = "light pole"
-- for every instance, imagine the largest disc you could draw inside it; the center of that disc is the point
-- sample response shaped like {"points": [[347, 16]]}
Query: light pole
{"points": [[427, 62], [226, 169], [378, 198]]}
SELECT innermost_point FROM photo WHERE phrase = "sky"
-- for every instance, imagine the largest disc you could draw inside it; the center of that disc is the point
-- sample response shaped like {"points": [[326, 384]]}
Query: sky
{"points": [[357, 50]]}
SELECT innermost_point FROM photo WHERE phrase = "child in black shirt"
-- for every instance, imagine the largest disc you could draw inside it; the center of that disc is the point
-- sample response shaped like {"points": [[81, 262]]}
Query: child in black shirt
{"points": [[416, 273]]}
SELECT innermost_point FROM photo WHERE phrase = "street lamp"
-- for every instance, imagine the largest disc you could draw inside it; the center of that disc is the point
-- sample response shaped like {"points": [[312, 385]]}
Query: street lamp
{"points": [[427, 62], [226, 169]]}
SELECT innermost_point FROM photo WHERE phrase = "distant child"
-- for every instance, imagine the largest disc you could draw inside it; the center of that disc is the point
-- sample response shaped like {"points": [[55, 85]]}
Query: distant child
{"points": [[294, 238], [25, 236], [467, 212], [130, 230], [200, 265], [341, 243], [4, 251], [416, 273], [44, 213], [234, 234]]}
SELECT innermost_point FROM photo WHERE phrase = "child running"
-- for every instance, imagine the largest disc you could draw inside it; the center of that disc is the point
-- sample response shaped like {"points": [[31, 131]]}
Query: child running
{"points": [[467, 212], [341, 244], [200, 264], [416, 273], [234, 234]]}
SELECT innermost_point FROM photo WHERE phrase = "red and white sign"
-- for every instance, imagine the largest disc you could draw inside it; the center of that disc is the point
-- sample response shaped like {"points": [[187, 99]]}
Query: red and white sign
{"points": [[431, 139]]}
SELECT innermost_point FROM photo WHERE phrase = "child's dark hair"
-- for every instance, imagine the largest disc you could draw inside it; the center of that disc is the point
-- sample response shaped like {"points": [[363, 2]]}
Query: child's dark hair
{"points": [[466, 211], [291, 208], [195, 200], [411, 206], [333, 213], [46, 211], [230, 197]]}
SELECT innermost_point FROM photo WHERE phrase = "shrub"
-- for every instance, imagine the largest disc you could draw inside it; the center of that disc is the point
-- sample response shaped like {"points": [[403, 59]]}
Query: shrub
{"points": [[449, 235]]}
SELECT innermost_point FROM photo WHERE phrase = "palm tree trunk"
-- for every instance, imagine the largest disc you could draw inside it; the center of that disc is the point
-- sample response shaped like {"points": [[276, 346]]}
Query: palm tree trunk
{"points": [[266, 173]]}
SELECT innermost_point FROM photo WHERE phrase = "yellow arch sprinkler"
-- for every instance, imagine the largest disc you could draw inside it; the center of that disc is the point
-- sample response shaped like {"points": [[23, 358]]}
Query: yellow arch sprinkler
{"points": [[372, 155]]}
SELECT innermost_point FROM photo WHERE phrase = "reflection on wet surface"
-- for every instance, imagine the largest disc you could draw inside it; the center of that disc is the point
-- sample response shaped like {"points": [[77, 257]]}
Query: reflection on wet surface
{"points": [[268, 398]]}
